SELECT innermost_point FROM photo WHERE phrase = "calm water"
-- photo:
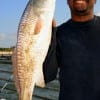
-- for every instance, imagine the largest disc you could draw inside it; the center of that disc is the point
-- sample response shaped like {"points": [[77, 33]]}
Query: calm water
{"points": [[6, 67], [6, 82], [51, 91]]}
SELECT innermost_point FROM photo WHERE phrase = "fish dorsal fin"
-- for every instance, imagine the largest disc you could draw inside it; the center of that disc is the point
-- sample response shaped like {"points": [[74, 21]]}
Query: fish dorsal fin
{"points": [[38, 27]]}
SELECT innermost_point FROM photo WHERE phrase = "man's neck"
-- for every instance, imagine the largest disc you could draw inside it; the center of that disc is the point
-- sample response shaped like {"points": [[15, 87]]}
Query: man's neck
{"points": [[82, 18]]}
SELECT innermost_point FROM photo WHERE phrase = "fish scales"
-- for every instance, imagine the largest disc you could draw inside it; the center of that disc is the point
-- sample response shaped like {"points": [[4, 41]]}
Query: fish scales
{"points": [[33, 40]]}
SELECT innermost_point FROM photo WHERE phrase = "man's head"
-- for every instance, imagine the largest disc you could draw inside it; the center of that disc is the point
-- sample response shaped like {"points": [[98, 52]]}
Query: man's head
{"points": [[81, 7]]}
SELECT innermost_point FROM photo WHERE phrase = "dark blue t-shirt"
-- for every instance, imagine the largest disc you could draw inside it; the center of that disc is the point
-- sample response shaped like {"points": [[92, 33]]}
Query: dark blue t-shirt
{"points": [[78, 56]]}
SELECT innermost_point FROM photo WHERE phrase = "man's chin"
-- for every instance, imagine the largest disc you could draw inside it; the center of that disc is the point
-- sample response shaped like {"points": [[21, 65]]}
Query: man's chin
{"points": [[81, 12]]}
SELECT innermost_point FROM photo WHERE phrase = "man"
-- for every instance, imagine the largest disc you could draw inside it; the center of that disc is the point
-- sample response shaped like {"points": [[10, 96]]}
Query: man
{"points": [[78, 53]]}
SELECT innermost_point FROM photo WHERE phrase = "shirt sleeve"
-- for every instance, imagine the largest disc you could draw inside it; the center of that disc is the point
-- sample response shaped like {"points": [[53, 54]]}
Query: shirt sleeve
{"points": [[50, 66]]}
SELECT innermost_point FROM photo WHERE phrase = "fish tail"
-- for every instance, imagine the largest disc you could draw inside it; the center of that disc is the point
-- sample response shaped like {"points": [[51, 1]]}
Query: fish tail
{"points": [[26, 93]]}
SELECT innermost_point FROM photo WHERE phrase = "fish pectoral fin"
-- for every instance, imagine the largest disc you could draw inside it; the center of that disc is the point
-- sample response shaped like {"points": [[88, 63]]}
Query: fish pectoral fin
{"points": [[38, 27]]}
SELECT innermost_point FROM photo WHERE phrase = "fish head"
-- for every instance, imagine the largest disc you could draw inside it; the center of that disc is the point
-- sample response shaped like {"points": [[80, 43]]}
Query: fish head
{"points": [[45, 4]]}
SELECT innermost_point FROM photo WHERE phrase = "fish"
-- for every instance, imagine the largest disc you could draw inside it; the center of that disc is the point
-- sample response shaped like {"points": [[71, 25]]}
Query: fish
{"points": [[33, 40]]}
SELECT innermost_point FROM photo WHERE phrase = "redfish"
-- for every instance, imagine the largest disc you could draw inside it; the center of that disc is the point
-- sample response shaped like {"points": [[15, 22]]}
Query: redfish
{"points": [[33, 40]]}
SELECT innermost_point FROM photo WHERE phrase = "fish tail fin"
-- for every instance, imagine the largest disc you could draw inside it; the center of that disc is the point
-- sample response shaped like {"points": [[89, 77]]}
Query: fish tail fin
{"points": [[26, 93]]}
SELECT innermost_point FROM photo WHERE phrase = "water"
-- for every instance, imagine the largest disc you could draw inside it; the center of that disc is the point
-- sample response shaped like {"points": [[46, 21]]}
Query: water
{"points": [[6, 77], [8, 90]]}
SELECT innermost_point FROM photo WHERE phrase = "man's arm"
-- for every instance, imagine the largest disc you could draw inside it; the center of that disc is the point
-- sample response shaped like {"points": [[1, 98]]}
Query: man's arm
{"points": [[50, 67]]}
